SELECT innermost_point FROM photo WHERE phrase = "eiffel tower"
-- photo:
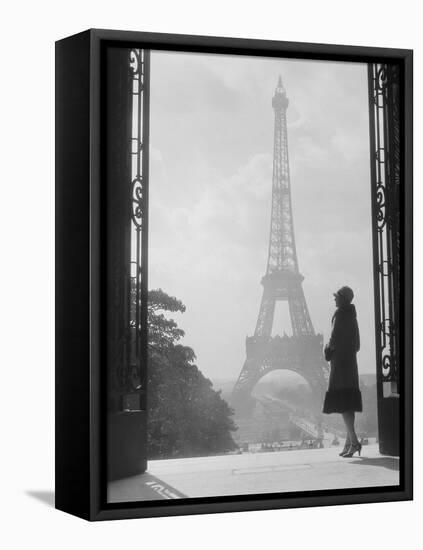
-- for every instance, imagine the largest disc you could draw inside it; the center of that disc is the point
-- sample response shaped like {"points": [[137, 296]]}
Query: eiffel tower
{"points": [[301, 352]]}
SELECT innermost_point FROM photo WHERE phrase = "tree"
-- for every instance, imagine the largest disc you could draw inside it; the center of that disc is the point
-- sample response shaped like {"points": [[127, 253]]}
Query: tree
{"points": [[186, 416]]}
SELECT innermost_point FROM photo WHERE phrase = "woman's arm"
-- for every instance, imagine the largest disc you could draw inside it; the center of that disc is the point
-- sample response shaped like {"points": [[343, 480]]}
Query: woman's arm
{"points": [[333, 340], [357, 336]]}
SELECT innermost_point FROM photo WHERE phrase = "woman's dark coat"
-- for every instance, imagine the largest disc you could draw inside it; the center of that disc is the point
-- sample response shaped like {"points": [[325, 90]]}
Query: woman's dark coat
{"points": [[343, 392]]}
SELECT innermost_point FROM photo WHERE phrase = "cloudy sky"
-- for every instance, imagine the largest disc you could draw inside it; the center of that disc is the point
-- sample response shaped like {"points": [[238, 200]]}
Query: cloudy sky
{"points": [[210, 194]]}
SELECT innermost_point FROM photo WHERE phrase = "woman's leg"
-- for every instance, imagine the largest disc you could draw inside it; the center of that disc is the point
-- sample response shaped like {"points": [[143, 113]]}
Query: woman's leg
{"points": [[349, 418], [347, 444], [347, 439]]}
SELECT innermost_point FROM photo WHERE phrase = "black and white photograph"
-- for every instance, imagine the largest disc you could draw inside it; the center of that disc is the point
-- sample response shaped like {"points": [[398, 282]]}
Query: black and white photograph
{"points": [[210, 236], [252, 275]]}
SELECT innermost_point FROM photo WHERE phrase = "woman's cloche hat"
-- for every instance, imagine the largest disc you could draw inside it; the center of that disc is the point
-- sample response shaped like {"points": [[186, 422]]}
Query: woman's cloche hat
{"points": [[345, 292]]}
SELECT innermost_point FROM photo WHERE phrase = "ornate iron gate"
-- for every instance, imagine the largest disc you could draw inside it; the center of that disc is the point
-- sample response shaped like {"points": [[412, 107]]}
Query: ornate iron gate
{"points": [[386, 176], [127, 131]]}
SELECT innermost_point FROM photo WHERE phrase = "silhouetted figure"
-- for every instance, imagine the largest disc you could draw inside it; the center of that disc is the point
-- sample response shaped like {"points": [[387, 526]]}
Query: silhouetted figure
{"points": [[343, 395]]}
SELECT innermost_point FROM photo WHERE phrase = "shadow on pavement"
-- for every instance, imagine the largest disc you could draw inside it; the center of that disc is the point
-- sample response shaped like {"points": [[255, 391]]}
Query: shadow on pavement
{"points": [[46, 497], [390, 462]]}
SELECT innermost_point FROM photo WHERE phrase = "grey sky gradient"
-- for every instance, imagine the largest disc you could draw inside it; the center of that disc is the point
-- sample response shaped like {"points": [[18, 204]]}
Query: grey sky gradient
{"points": [[210, 194]]}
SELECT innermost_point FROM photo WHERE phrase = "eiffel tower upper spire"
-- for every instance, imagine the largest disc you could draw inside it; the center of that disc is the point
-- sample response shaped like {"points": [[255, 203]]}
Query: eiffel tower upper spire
{"points": [[282, 280], [282, 254]]}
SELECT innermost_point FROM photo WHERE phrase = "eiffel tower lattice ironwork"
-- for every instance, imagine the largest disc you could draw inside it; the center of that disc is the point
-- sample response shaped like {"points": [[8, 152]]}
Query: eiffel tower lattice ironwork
{"points": [[301, 352]]}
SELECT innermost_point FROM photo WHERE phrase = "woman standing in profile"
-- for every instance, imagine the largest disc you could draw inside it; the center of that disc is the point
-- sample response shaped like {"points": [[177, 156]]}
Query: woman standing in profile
{"points": [[343, 395]]}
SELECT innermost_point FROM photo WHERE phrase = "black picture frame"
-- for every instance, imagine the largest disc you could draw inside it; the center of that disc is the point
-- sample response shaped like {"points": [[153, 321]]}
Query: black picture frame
{"points": [[80, 247]]}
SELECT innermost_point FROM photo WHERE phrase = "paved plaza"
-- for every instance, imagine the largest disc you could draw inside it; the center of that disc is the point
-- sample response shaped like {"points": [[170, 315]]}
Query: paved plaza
{"points": [[251, 473]]}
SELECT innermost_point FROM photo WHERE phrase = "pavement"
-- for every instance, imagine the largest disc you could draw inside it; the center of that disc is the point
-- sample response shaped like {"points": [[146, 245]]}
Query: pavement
{"points": [[254, 473], [142, 487]]}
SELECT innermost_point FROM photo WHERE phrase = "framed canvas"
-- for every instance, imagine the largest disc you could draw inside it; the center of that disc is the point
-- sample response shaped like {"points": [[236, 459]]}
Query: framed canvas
{"points": [[233, 274]]}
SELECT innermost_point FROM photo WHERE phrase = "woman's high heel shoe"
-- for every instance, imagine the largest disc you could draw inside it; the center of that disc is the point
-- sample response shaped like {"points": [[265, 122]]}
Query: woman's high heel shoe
{"points": [[355, 447], [345, 450]]}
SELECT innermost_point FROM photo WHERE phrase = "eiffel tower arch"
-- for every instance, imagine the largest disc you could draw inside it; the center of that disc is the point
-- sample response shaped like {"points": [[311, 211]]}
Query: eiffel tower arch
{"points": [[303, 351]]}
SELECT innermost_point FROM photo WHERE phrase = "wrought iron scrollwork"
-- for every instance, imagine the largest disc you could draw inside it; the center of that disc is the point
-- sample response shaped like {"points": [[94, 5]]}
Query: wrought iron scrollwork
{"points": [[137, 202], [386, 169], [135, 61], [130, 372]]}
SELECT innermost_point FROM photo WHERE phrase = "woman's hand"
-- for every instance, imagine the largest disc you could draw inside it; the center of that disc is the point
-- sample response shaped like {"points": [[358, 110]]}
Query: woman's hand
{"points": [[328, 352]]}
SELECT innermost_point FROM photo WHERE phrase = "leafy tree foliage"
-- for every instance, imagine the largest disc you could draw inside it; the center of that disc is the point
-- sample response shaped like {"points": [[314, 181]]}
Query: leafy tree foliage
{"points": [[187, 417]]}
